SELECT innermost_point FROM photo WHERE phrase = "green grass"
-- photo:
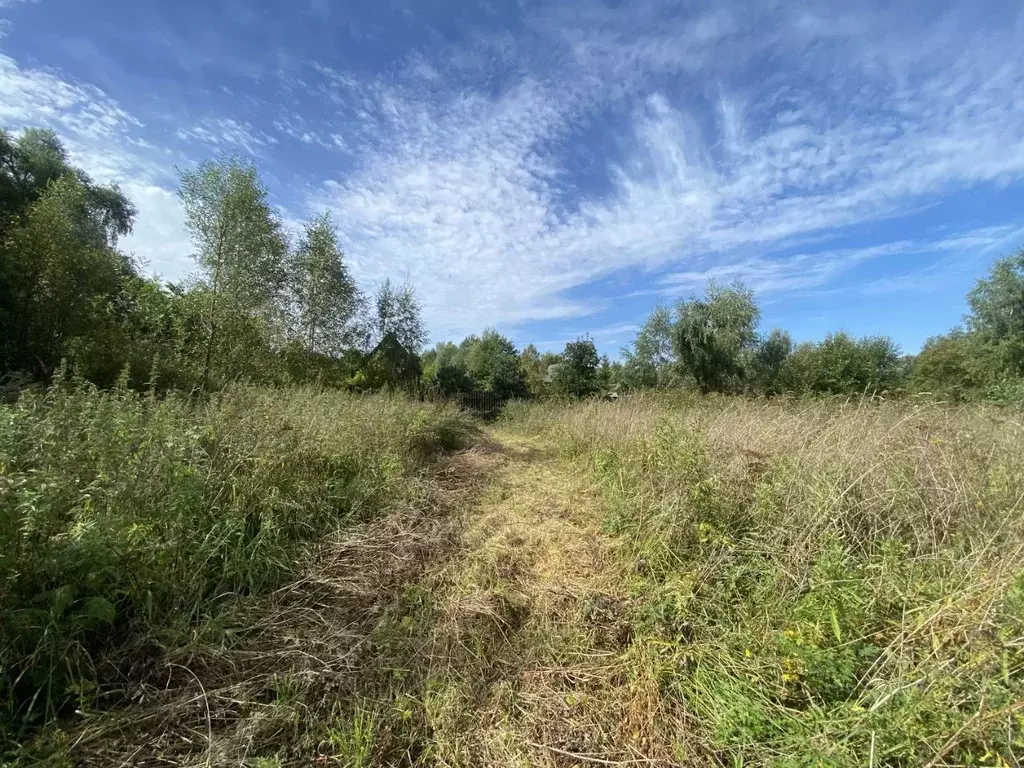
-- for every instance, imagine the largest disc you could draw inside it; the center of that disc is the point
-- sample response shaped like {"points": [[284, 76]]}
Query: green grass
{"points": [[820, 583], [674, 581], [130, 522]]}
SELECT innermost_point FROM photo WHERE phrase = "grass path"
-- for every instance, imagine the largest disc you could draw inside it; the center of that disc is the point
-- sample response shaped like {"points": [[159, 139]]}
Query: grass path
{"points": [[528, 661], [489, 629]]}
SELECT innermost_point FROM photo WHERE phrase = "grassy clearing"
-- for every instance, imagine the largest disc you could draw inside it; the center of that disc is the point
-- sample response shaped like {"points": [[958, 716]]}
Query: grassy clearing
{"points": [[136, 532], [812, 584]]}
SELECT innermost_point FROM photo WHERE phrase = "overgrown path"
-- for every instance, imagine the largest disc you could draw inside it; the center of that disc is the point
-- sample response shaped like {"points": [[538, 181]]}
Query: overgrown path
{"points": [[286, 679], [526, 661], [487, 628]]}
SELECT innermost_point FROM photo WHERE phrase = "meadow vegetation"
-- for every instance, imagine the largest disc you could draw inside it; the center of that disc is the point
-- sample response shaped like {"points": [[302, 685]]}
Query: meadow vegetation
{"points": [[808, 583], [664, 581], [132, 524], [243, 523]]}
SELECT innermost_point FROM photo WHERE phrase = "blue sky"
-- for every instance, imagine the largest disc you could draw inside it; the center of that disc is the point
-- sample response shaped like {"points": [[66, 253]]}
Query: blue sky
{"points": [[558, 168]]}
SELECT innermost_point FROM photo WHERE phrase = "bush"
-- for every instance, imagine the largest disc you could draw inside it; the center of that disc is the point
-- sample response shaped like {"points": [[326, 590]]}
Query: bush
{"points": [[122, 514], [947, 365], [575, 375], [842, 365]]}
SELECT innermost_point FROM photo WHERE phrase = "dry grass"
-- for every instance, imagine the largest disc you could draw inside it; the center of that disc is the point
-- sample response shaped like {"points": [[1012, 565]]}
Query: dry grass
{"points": [[519, 650], [291, 672], [816, 583], [649, 582]]}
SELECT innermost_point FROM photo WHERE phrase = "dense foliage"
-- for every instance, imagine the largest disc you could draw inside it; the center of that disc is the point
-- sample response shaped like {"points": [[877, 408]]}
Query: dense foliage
{"points": [[711, 344], [257, 309], [127, 518], [64, 289], [262, 309]]}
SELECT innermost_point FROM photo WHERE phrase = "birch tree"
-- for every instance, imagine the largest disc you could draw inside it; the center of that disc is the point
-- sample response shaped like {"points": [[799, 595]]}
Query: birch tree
{"points": [[241, 249], [325, 297], [398, 312]]}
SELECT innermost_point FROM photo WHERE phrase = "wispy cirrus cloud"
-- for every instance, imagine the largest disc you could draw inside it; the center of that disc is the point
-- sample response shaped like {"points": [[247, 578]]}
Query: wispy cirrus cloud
{"points": [[225, 133], [102, 138], [294, 127], [37, 96], [465, 195], [507, 171], [812, 270]]}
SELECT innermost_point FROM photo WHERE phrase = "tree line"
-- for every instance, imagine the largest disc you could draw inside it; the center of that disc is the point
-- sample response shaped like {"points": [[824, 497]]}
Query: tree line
{"points": [[258, 307], [710, 343], [262, 308]]}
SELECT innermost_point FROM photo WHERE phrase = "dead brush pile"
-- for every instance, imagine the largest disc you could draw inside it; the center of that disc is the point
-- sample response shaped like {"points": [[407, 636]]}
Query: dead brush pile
{"points": [[819, 583]]}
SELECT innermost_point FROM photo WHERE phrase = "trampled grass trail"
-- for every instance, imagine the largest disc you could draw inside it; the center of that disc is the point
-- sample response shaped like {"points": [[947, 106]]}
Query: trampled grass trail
{"points": [[485, 629], [527, 660]]}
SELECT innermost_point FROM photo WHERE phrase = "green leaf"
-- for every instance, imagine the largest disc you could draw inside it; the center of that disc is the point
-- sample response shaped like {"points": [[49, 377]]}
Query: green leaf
{"points": [[62, 598], [99, 609], [835, 625]]}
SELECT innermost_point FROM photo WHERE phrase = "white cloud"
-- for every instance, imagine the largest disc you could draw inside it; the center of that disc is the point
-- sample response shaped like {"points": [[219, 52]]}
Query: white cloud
{"points": [[225, 133], [747, 127], [37, 96], [98, 135], [158, 240], [456, 209], [965, 254], [294, 127], [812, 270], [465, 198]]}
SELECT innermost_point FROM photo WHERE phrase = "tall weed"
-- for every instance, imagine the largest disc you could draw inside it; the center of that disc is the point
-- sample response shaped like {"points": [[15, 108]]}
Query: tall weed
{"points": [[126, 516], [817, 582]]}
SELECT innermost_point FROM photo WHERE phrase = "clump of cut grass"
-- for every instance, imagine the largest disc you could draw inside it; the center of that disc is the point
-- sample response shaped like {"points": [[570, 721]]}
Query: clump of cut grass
{"points": [[131, 521], [816, 583]]}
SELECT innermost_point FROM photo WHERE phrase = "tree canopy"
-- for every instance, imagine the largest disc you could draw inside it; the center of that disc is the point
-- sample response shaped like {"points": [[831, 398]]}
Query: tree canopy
{"points": [[996, 319], [575, 375], [712, 335], [262, 308], [325, 300], [61, 276]]}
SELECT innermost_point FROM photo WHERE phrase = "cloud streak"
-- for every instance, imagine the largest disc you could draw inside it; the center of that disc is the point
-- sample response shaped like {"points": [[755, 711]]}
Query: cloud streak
{"points": [[505, 173], [465, 197]]}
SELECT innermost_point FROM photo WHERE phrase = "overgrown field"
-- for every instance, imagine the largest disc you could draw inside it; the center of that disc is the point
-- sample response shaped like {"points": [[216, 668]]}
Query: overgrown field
{"points": [[133, 526], [290, 577], [826, 583]]}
